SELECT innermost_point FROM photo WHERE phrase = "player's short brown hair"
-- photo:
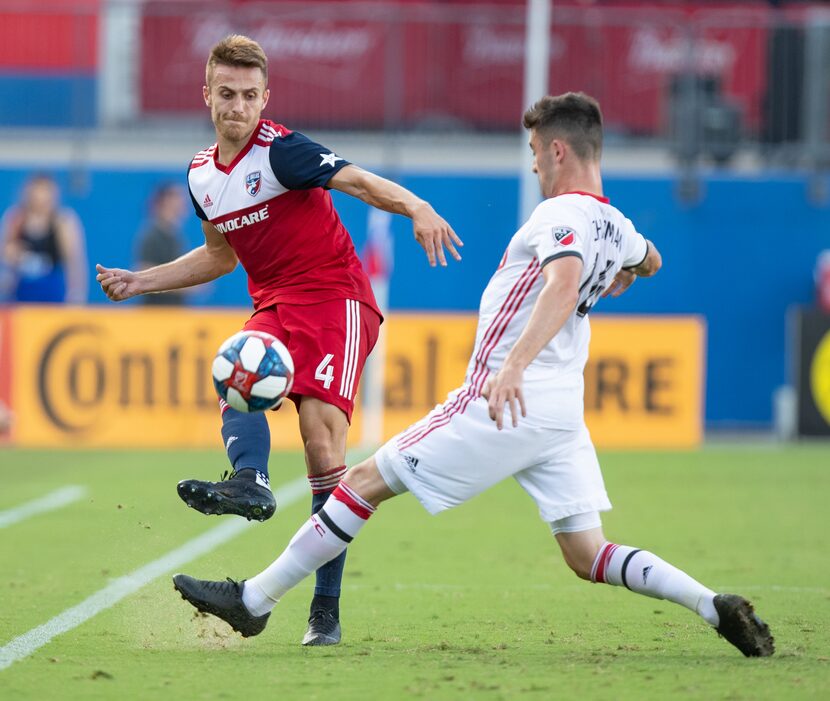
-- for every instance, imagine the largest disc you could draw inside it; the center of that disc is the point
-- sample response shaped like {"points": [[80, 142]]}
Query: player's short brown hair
{"points": [[573, 117], [237, 50]]}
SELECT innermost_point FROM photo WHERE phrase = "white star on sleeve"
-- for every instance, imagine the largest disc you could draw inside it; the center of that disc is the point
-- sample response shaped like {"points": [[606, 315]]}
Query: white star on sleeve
{"points": [[329, 159]]}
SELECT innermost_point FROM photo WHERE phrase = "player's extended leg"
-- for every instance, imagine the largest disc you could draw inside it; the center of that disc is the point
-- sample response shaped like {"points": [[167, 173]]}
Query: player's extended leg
{"points": [[246, 491], [247, 605], [593, 558], [323, 428]]}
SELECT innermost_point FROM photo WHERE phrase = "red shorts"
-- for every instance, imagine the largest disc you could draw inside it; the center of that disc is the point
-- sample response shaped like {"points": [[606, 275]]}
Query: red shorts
{"points": [[329, 343]]}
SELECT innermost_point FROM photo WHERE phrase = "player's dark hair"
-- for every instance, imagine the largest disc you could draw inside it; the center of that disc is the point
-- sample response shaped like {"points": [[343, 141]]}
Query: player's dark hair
{"points": [[573, 117], [42, 177], [237, 50]]}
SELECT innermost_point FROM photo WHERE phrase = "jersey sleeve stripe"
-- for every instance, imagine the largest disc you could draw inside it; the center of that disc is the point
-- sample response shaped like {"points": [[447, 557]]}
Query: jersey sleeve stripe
{"points": [[631, 267], [204, 156], [561, 254]]}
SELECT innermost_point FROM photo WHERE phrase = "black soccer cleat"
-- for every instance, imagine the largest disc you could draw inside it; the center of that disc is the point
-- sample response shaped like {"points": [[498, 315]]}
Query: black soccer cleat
{"points": [[244, 493], [741, 626], [323, 628], [223, 600]]}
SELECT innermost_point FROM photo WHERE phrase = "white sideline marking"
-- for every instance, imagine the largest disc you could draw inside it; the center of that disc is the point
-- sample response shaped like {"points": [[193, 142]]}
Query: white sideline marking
{"points": [[48, 502], [26, 644]]}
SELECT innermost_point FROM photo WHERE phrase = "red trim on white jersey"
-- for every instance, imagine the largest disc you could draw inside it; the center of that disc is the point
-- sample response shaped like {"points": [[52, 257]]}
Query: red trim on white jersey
{"points": [[268, 131], [587, 194], [489, 340], [263, 135], [203, 157], [239, 156], [508, 310]]}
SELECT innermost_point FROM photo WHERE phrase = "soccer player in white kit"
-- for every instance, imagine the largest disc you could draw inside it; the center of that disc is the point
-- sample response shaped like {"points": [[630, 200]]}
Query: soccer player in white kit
{"points": [[520, 410]]}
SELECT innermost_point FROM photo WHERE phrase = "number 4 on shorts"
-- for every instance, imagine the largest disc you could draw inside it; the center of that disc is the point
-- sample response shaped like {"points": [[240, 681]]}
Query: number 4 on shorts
{"points": [[325, 371]]}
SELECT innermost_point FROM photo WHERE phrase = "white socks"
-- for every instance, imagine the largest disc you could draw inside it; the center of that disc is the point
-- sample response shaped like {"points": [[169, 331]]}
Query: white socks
{"points": [[645, 573], [322, 538]]}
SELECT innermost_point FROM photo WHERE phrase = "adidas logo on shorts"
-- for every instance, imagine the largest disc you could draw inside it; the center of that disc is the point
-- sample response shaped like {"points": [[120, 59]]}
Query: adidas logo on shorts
{"points": [[411, 462]]}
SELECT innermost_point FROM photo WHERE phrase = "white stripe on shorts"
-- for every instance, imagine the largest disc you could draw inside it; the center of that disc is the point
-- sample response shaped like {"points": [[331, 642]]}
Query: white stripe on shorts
{"points": [[356, 349], [351, 351]]}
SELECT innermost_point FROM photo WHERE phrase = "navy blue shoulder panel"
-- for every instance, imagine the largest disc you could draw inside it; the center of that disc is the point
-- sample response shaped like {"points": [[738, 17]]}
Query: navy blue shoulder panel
{"points": [[301, 164]]}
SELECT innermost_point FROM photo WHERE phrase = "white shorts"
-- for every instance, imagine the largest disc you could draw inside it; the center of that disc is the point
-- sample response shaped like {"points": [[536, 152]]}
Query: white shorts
{"points": [[456, 452]]}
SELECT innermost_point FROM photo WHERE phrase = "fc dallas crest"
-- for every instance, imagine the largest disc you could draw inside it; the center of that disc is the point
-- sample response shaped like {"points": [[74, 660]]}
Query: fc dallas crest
{"points": [[253, 181], [564, 236]]}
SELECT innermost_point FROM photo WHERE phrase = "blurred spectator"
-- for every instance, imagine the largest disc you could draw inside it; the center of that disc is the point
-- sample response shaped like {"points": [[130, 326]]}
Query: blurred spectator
{"points": [[823, 281], [5, 418], [162, 241], [42, 248]]}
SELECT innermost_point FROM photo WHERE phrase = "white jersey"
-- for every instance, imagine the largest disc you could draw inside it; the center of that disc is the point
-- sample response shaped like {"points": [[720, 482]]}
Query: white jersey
{"points": [[574, 224]]}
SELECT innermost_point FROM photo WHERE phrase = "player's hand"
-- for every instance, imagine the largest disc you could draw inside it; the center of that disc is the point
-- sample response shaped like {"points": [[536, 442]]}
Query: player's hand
{"points": [[434, 234], [118, 284], [505, 387], [622, 281]]}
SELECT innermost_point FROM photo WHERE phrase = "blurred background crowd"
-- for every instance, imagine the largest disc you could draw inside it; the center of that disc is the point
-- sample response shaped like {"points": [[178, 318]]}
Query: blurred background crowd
{"points": [[717, 145]]}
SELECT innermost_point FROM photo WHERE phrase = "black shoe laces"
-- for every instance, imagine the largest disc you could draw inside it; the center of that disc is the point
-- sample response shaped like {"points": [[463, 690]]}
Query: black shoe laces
{"points": [[222, 586], [322, 615]]}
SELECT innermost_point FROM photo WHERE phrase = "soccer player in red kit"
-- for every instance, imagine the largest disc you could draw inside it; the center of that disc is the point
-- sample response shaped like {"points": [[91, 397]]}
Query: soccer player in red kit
{"points": [[262, 194]]}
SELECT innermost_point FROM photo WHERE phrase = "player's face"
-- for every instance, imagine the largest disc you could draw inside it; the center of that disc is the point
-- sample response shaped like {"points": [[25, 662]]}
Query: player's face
{"points": [[236, 97], [544, 163]]}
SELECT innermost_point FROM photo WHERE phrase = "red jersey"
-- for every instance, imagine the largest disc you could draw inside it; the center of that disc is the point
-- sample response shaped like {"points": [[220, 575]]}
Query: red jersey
{"points": [[271, 205]]}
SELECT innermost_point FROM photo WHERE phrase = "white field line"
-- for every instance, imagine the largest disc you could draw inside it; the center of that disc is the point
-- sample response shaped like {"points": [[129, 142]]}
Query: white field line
{"points": [[48, 502], [26, 644]]}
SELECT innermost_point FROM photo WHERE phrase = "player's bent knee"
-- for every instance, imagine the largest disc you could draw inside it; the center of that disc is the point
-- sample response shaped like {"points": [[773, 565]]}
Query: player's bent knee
{"points": [[580, 548], [579, 569], [366, 480], [579, 562], [323, 428]]}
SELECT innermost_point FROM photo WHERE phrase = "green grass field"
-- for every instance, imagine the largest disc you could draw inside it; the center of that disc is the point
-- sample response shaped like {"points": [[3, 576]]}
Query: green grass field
{"points": [[475, 603]]}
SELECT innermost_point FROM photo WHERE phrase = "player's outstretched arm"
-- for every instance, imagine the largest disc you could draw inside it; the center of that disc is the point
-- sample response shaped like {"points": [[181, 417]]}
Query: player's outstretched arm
{"points": [[203, 264], [555, 303], [431, 231]]}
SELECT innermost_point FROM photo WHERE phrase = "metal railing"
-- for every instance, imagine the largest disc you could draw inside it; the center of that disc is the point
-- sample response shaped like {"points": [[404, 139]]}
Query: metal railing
{"points": [[704, 83]]}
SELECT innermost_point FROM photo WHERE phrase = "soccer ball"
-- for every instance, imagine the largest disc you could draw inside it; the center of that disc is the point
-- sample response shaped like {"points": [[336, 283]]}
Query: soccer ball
{"points": [[253, 371]]}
